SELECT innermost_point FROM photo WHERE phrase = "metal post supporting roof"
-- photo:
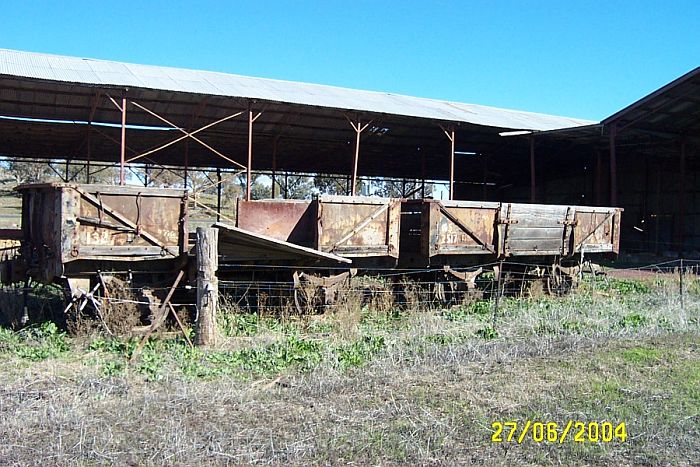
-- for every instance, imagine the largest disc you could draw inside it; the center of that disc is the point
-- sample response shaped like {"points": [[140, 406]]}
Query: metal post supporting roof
{"points": [[249, 173], [450, 133], [123, 143], [359, 128], [613, 165], [681, 200], [533, 175]]}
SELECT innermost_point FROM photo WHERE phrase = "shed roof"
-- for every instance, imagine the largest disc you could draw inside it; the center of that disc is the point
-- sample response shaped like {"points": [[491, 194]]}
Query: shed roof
{"points": [[64, 71]]}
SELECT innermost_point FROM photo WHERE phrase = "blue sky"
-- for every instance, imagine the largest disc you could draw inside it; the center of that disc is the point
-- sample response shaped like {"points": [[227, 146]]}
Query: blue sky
{"points": [[583, 59]]}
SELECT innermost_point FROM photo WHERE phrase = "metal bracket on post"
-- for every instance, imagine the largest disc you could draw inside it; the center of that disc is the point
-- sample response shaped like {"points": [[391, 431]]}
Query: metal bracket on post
{"points": [[450, 133], [122, 145], [359, 128], [249, 172], [502, 224]]}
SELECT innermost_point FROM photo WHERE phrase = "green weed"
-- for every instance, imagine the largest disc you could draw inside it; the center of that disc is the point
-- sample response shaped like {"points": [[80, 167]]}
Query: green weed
{"points": [[633, 320], [478, 308], [35, 342], [439, 339], [360, 352], [641, 355], [627, 286], [487, 333]]}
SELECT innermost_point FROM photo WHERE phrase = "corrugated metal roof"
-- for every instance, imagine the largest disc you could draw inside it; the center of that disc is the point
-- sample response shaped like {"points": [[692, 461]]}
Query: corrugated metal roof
{"points": [[93, 72]]}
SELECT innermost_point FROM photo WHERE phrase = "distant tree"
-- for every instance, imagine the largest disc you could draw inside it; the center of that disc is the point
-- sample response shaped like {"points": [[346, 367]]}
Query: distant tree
{"points": [[162, 177], [330, 185], [29, 171], [400, 188], [258, 190], [296, 186]]}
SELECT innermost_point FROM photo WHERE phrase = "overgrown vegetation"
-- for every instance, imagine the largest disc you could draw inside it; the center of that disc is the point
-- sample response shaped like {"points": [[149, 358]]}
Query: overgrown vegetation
{"points": [[371, 381]]}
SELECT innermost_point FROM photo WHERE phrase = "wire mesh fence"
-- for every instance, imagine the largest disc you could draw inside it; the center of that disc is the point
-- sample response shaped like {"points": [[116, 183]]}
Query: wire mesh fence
{"points": [[285, 291]]}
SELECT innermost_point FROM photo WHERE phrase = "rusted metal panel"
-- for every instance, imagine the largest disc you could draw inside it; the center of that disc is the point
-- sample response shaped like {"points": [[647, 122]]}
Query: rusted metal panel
{"points": [[458, 227], [597, 230], [351, 226], [292, 221], [359, 226], [63, 223], [157, 215]]}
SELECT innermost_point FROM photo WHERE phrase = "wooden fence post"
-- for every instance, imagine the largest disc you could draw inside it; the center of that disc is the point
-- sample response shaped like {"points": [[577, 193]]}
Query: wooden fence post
{"points": [[207, 285]]}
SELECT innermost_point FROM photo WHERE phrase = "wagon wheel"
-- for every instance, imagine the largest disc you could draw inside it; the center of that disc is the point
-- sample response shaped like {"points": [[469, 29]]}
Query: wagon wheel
{"points": [[83, 301], [558, 283], [313, 294], [306, 294]]}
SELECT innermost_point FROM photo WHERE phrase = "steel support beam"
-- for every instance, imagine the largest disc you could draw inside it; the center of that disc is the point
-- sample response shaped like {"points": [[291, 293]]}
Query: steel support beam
{"points": [[274, 166], [485, 162], [681, 201], [249, 171], [122, 149], [422, 174], [533, 174], [450, 133], [218, 195], [359, 128], [187, 164], [89, 153], [613, 165]]}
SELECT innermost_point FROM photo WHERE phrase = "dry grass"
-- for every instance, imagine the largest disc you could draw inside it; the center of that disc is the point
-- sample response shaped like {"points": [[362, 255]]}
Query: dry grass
{"points": [[433, 406], [426, 393]]}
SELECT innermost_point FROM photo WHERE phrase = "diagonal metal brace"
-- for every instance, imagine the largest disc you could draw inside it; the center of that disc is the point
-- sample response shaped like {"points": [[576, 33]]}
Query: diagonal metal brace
{"points": [[466, 229], [191, 135], [593, 231], [360, 226], [160, 318], [122, 218]]}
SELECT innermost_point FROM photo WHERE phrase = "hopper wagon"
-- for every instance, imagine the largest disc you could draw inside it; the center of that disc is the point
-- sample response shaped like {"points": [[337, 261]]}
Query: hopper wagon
{"points": [[83, 236]]}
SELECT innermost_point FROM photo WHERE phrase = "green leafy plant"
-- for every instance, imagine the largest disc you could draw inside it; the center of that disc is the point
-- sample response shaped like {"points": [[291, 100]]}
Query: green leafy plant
{"points": [[487, 333], [359, 352], [627, 286], [41, 342], [633, 320]]}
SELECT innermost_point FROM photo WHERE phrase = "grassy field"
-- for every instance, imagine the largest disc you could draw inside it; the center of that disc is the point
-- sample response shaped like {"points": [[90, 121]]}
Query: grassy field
{"points": [[370, 385]]}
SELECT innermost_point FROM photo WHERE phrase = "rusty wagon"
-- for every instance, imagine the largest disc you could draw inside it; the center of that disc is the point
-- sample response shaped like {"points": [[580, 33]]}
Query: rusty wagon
{"points": [[462, 232], [441, 237], [363, 229], [75, 234], [432, 232]]}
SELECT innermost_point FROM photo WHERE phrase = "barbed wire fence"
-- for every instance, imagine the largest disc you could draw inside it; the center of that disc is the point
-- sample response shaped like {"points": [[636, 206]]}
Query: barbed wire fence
{"points": [[273, 291]]}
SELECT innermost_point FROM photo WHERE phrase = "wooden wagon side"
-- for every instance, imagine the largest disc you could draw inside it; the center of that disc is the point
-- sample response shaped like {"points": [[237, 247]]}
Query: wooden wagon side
{"points": [[75, 229], [462, 232]]}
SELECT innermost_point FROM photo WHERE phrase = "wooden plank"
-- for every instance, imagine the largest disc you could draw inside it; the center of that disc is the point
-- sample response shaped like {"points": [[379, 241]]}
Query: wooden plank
{"points": [[232, 236], [84, 251], [207, 253]]}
